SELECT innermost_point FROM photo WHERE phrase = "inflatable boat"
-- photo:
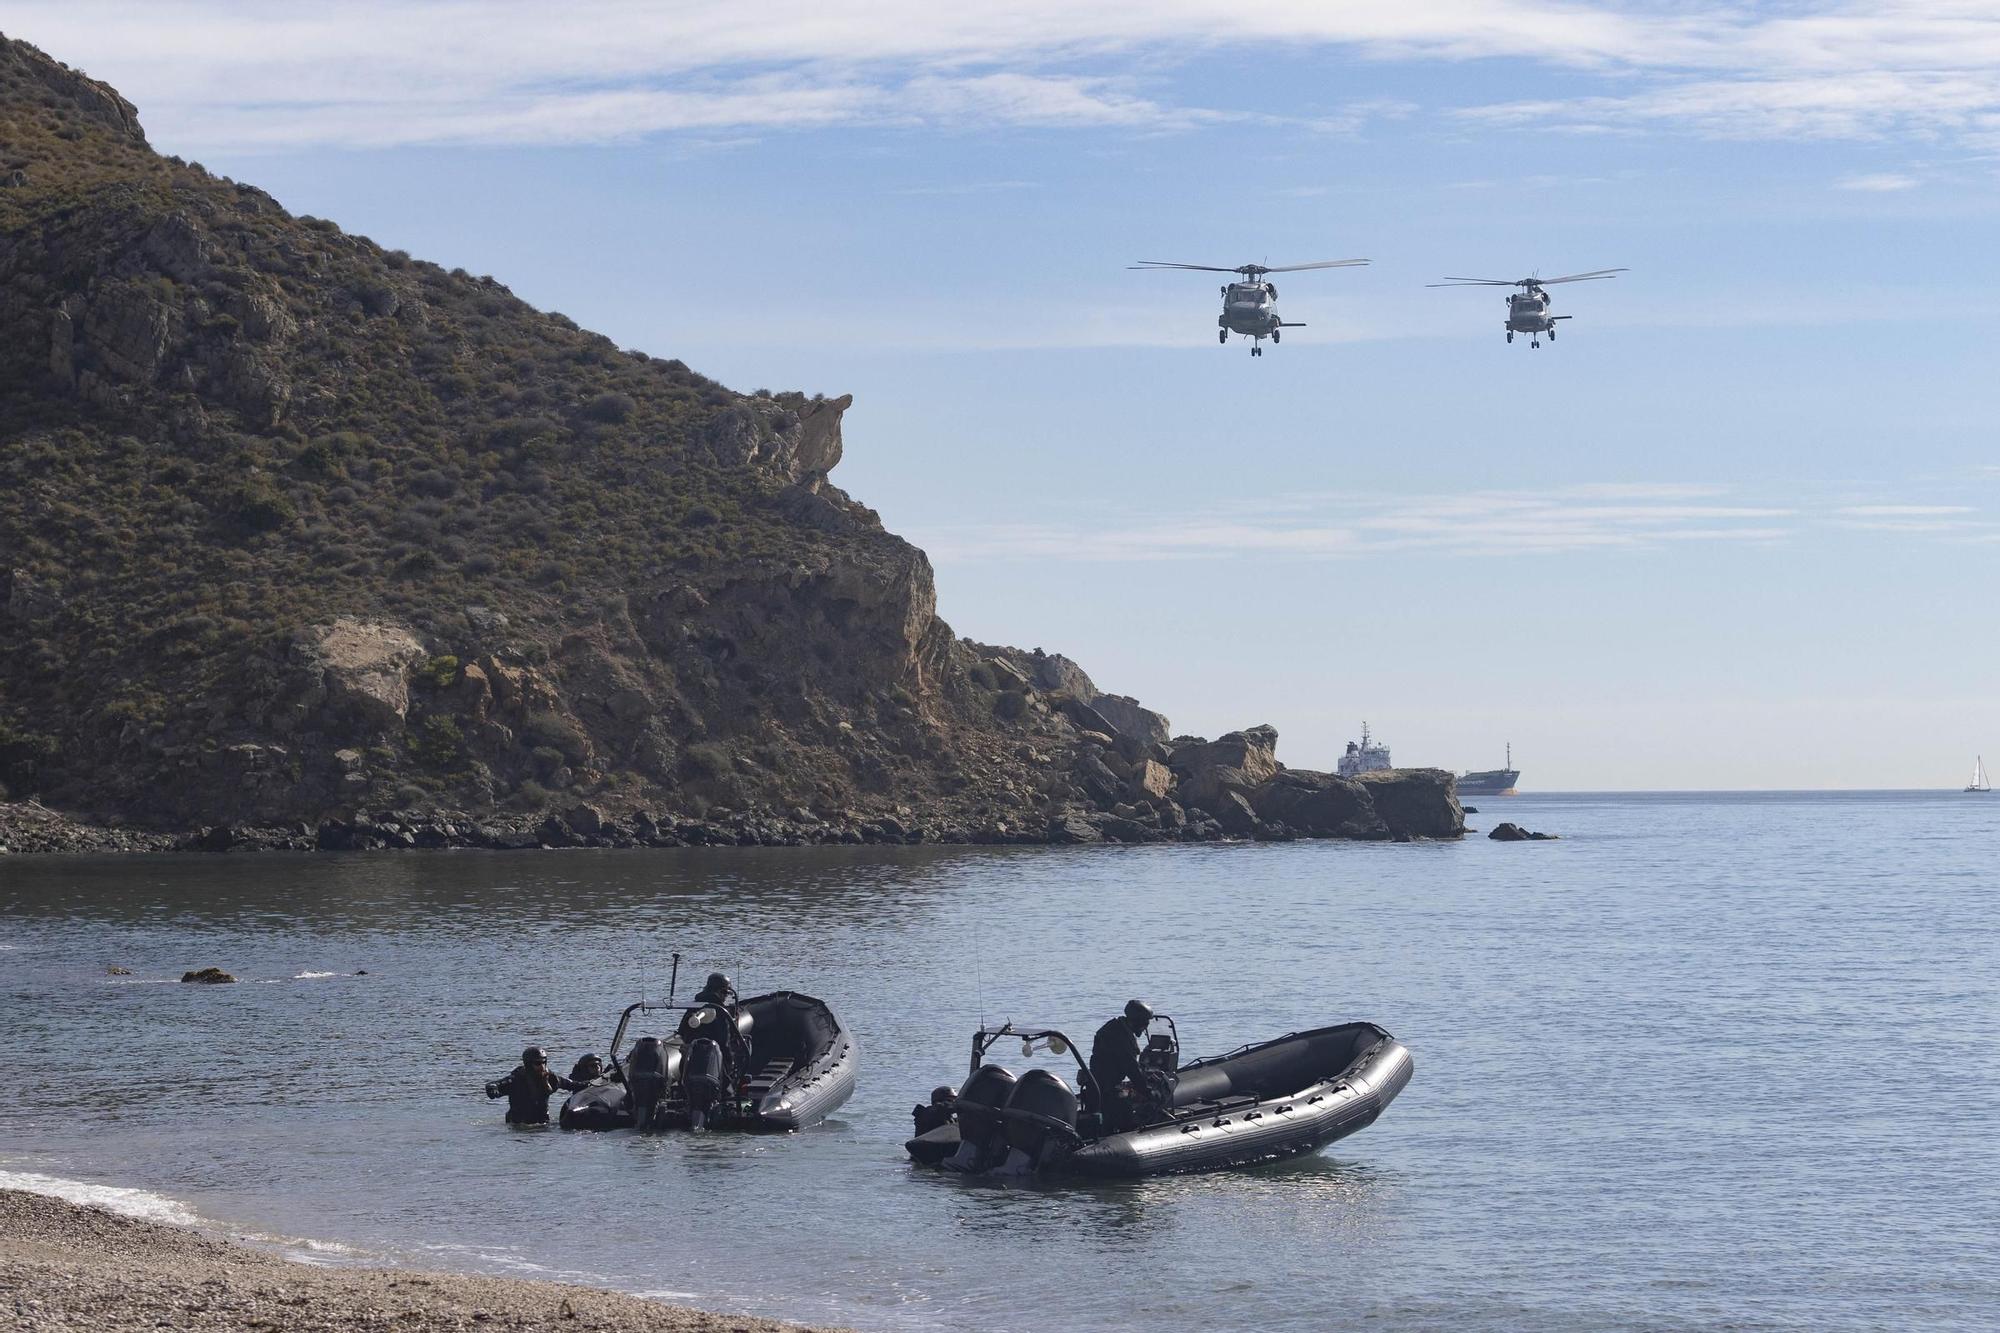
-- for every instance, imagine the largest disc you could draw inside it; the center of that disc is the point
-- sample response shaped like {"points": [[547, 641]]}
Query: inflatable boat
{"points": [[780, 1062], [1267, 1100]]}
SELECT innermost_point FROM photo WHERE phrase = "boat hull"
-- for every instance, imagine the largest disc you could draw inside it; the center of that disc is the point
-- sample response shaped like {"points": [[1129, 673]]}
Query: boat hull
{"points": [[1493, 782], [1212, 1128], [1270, 1129], [822, 1064]]}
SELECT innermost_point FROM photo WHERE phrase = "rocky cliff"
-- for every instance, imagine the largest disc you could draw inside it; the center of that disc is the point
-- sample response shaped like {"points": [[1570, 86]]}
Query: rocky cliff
{"points": [[308, 535]]}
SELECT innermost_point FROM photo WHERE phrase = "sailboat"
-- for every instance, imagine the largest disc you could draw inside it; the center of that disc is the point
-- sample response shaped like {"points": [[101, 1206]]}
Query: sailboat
{"points": [[1979, 782]]}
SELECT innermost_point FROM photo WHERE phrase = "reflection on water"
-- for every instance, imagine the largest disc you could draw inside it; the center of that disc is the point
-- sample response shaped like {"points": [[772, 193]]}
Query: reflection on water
{"points": [[1633, 1103]]}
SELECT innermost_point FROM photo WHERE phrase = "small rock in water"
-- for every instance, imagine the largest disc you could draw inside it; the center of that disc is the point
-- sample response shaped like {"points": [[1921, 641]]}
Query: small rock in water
{"points": [[1506, 832], [116, 971], [207, 976]]}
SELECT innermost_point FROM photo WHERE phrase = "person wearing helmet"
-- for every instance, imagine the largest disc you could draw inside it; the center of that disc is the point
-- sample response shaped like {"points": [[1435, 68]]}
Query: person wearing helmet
{"points": [[1114, 1064], [940, 1110], [719, 993], [587, 1069], [529, 1088]]}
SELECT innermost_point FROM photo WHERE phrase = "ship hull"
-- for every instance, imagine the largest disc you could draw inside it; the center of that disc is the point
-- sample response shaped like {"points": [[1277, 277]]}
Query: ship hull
{"points": [[1494, 782]]}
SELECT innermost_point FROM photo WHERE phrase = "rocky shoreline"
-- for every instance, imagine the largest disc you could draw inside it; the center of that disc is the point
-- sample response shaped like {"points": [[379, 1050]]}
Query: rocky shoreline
{"points": [[1229, 789], [66, 1266]]}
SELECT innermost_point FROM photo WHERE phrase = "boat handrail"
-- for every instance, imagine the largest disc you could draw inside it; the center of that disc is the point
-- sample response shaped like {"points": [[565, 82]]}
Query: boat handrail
{"points": [[985, 1037]]}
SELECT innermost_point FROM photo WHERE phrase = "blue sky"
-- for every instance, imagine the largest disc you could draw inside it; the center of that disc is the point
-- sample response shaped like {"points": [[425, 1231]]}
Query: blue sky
{"points": [[1736, 529]]}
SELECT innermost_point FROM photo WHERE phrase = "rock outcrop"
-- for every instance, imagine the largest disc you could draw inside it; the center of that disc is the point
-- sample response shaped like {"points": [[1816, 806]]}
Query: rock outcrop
{"points": [[307, 543]]}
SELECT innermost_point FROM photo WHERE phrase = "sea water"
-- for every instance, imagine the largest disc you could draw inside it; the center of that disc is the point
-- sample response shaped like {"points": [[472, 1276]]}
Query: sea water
{"points": [[1707, 1061]]}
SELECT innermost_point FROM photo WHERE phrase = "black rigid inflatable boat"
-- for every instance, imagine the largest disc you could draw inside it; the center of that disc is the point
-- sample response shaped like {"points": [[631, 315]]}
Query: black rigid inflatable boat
{"points": [[1263, 1101], [786, 1064]]}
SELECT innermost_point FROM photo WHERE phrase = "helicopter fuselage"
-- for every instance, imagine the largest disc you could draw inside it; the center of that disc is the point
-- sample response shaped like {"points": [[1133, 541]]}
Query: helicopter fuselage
{"points": [[1251, 309], [1528, 312]]}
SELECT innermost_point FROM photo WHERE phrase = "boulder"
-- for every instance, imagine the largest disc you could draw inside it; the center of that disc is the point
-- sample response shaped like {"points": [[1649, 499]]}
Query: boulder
{"points": [[1151, 778], [362, 667], [1096, 779], [1058, 675], [585, 819], [1506, 832], [1239, 761], [1130, 718], [1234, 813], [1319, 805], [207, 976], [1416, 802], [1071, 827]]}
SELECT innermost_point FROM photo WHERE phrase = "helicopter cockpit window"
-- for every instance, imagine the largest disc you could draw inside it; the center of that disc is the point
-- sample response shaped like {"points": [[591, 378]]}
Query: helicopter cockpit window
{"points": [[1254, 295]]}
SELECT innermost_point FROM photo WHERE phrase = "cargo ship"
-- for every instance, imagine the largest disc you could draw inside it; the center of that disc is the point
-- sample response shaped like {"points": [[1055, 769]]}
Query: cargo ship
{"points": [[1364, 756], [1492, 782]]}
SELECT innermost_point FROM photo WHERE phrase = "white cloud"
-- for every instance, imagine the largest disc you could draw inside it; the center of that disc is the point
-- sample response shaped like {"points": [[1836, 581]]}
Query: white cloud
{"points": [[212, 73], [1586, 517], [1482, 523], [1886, 182]]}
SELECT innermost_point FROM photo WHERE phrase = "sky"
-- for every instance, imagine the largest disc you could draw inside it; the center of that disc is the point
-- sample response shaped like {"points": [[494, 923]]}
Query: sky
{"points": [[1735, 529]]}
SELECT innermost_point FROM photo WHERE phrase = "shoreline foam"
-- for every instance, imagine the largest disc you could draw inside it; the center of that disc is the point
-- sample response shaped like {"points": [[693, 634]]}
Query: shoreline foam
{"points": [[66, 1264]]}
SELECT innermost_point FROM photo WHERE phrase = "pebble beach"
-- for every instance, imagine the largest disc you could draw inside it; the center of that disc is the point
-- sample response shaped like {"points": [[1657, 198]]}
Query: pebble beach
{"points": [[63, 1266]]}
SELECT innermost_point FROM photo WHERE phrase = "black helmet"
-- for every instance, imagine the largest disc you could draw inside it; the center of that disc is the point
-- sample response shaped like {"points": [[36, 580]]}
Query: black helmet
{"points": [[718, 983], [943, 1093], [1138, 1013], [534, 1055]]}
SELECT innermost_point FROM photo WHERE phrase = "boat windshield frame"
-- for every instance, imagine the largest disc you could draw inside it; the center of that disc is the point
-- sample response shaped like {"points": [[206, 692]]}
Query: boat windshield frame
{"points": [[986, 1037], [624, 1019]]}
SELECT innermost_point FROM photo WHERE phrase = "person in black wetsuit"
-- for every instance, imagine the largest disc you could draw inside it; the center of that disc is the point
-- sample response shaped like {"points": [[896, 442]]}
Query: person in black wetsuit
{"points": [[529, 1088], [587, 1069], [718, 991], [940, 1110], [1114, 1064]]}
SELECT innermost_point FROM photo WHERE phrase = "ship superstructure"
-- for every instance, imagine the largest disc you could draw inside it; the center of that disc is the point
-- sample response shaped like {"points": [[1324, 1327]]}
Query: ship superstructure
{"points": [[1493, 781], [1364, 756]]}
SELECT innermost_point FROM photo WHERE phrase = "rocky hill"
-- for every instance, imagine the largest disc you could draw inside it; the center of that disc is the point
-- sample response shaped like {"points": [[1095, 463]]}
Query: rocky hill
{"points": [[304, 535]]}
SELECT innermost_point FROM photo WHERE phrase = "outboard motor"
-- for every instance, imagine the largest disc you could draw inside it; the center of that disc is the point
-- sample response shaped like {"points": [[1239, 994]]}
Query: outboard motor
{"points": [[646, 1079], [701, 1079], [1042, 1122], [980, 1140]]}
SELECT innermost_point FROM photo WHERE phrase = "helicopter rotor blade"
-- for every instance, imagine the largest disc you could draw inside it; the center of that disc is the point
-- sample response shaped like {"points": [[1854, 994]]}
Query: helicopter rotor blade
{"points": [[1583, 277], [1199, 268], [1474, 282], [1324, 263]]}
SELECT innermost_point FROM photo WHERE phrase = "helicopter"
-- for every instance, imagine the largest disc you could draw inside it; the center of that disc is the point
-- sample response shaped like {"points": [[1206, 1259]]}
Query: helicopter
{"points": [[1528, 309], [1249, 306]]}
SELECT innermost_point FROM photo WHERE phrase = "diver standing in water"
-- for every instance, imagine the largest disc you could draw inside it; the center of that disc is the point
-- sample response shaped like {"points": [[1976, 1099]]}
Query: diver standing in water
{"points": [[529, 1088], [1114, 1064]]}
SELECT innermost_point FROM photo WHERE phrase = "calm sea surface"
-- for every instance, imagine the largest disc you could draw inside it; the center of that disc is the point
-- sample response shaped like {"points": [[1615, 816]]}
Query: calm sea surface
{"points": [[1708, 1061]]}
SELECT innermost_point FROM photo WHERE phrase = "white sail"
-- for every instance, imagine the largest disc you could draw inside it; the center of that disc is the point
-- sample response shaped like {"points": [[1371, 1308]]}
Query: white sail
{"points": [[1979, 781]]}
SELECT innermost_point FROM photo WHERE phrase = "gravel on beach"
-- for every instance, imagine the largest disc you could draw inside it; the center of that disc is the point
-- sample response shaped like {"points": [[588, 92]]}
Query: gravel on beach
{"points": [[63, 1267]]}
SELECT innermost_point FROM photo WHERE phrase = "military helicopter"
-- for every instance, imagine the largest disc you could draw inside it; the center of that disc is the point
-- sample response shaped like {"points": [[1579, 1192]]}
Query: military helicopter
{"points": [[1528, 309], [1249, 307]]}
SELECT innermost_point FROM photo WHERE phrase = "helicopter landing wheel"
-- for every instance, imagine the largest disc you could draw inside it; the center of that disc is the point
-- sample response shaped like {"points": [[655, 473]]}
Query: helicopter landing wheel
{"points": [[1552, 335], [1535, 346], [1510, 335], [1256, 351], [1222, 335], [1274, 335]]}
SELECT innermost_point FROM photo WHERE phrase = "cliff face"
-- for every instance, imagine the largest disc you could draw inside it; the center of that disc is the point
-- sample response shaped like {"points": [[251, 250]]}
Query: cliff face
{"points": [[293, 528]]}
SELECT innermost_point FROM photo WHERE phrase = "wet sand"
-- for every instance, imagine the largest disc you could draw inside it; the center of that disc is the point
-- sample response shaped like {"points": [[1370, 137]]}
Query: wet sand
{"points": [[68, 1267]]}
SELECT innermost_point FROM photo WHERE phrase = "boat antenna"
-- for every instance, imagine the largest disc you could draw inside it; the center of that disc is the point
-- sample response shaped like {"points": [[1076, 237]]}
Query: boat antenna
{"points": [[673, 980]]}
